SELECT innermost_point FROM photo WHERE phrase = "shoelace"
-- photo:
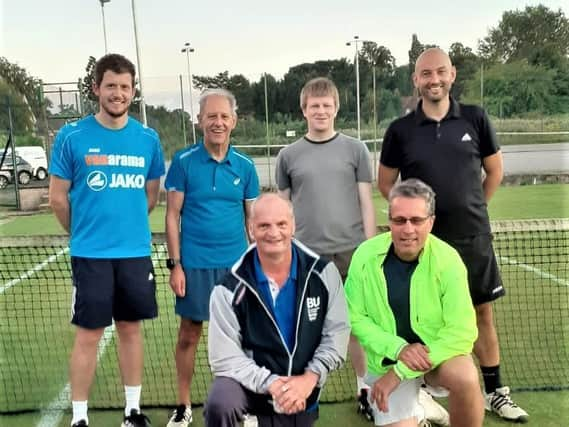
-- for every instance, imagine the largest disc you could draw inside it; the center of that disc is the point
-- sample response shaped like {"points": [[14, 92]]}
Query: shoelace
{"points": [[499, 400], [180, 412]]}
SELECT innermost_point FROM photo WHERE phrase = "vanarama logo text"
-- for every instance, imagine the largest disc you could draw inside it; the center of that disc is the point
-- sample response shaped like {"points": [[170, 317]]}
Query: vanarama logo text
{"points": [[114, 160]]}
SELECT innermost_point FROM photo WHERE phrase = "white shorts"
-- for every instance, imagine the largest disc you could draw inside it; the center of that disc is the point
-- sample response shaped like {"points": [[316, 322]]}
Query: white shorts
{"points": [[403, 402]]}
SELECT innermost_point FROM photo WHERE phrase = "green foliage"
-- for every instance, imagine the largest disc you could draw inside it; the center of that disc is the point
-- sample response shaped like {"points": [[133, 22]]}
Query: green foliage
{"points": [[466, 63], [516, 88], [22, 117], [27, 86], [28, 140], [168, 124], [90, 101], [536, 34]]}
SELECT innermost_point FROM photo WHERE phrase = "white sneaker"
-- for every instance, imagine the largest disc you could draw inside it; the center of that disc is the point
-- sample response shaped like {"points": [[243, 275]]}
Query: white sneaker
{"points": [[501, 403], [181, 417], [434, 412]]}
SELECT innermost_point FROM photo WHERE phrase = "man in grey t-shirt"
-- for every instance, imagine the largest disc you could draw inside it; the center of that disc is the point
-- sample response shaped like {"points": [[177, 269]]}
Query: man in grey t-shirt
{"points": [[327, 176]]}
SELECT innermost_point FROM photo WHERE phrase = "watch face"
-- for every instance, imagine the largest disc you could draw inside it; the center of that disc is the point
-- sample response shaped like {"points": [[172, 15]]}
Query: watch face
{"points": [[170, 263]]}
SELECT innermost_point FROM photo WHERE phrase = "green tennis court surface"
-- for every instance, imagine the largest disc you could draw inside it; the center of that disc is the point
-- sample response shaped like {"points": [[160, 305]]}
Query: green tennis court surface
{"points": [[35, 335]]}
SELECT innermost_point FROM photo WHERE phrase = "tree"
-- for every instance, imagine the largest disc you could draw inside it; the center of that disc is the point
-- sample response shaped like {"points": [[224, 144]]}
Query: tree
{"points": [[90, 101], [537, 34], [237, 84], [380, 58], [467, 65], [27, 86], [517, 88], [416, 49], [219, 81], [22, 117]]}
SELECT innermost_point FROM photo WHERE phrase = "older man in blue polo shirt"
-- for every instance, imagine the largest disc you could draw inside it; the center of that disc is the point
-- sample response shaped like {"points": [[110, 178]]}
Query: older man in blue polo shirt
{"points": [[210, 187]]}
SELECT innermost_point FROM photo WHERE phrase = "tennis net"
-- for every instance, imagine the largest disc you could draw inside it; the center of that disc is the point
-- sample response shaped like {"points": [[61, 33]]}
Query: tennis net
{"points": [[36, 336]]}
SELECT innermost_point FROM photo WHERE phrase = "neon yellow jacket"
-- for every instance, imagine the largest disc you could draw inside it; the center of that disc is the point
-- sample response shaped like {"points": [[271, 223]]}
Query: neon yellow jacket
{"points": [[441, 309]]}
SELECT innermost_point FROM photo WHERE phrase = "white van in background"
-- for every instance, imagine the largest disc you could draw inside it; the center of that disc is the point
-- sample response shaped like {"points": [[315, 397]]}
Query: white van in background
{"points": [[35, 156]]}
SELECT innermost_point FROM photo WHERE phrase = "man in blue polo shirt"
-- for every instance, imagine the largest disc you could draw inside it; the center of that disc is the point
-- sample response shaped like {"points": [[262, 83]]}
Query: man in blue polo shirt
{"points": [[210, 188], [105, 175]]}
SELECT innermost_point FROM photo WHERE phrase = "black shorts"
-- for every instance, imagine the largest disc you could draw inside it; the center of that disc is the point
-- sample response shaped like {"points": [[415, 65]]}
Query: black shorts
{"points": [[107, 289], [484, 278]]}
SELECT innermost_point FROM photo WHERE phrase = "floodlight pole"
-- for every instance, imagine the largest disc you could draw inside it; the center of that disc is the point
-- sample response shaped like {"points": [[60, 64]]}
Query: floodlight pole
{"points": [[267, 127], [138, 62], [187, 50], [355, 41], [104, 24]]}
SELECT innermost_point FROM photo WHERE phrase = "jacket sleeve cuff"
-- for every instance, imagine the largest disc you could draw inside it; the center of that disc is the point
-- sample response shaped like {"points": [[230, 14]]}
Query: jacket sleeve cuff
{"points": [[264, 388], [398, 372], [319, 369]]}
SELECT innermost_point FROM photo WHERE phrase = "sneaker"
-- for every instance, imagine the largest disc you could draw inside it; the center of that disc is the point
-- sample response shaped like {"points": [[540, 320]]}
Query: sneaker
{"points": [[363, 405], [136, 419], [80, 423], [501, 403], [434, 412], [181, 417]]}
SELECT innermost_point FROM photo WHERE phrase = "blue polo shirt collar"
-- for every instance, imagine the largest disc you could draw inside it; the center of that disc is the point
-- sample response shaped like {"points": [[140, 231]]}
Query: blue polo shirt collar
{"points": [[263, 281], [206, 157]]}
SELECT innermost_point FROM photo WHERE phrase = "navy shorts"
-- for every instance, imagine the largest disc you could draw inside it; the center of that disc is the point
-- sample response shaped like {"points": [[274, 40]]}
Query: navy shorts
{"points": [[484, 278], [199, 284], [107, 289]]}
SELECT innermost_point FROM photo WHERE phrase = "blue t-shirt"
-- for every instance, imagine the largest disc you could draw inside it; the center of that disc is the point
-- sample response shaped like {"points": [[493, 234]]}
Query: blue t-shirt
{"points": [[108, 170], [213, 213]]}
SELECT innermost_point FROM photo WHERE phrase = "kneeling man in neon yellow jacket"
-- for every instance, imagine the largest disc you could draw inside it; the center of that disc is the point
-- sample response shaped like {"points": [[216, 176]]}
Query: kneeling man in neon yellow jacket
{"points": [[411, 310]]}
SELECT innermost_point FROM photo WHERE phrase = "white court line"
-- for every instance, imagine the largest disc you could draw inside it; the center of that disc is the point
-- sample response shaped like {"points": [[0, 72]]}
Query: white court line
{"points": [[534, 270], [32, 271], [51, 416], [54, 412]]}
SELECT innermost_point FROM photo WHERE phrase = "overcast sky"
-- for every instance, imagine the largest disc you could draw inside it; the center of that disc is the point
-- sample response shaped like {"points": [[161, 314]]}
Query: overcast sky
{"points": [[52, 39]]}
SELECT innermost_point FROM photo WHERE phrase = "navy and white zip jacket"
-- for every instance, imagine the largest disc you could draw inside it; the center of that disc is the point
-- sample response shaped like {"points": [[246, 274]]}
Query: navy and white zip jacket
{"points": [[244, 341]]}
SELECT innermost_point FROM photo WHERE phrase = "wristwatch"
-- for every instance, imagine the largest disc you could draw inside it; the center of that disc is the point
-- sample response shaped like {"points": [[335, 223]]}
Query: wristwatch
{"points": [[171, 263]]}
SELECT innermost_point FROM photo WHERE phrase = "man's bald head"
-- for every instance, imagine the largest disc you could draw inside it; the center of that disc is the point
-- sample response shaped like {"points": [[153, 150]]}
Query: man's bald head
{"points": [[272, 199], [430, 54]]}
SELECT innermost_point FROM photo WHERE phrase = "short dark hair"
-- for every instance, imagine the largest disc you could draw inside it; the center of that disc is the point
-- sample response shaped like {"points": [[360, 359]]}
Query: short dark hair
{"points": [[115, 63]]}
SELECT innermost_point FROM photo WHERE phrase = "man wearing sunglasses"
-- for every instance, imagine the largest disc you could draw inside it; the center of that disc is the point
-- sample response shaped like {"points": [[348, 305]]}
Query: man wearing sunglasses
{"points": [[411, 310]]}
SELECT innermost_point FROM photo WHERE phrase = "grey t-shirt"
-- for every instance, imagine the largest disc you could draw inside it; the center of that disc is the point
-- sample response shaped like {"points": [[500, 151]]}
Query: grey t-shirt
{"points": [[322, 178]]}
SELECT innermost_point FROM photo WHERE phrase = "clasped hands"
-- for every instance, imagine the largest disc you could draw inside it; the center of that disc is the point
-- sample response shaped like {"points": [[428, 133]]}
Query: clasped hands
{"points": [[290, 393], [415, 357]]}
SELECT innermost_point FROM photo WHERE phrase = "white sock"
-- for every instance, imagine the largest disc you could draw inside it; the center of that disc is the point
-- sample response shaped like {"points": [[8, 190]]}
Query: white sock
{"points": [[79, 411], [132, 397], [361, 384]]}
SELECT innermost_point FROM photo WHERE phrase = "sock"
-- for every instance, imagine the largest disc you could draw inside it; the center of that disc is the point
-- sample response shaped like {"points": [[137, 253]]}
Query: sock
{"points": [[79, 411], [491, 377], [132, 397], [361, 384]]}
